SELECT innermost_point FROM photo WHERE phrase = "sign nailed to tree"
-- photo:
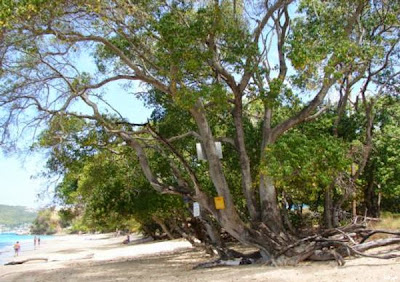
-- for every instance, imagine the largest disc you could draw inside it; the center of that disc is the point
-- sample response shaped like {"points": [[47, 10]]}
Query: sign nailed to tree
{"points": [[219, 203], [196, 209], [200, 152]]}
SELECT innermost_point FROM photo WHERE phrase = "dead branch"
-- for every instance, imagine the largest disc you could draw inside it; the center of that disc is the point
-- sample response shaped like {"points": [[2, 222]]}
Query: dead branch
{"points": [[25, 260]]}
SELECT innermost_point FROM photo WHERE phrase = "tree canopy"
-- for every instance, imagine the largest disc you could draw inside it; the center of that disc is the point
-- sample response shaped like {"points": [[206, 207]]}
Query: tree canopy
{"points": [[255, 75]]}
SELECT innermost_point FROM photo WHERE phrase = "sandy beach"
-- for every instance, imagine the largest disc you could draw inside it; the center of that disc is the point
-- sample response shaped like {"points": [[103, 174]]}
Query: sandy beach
{"points": [[103, 257]]}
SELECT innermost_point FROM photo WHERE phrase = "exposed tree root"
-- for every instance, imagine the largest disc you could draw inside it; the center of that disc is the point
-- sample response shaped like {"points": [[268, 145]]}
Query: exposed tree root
{"points": [[332, 244], [237, 258], [349, 240]]}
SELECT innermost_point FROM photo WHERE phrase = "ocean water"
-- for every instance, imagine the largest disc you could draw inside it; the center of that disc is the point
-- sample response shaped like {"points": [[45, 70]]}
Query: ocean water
{"points": [[7, 240]]}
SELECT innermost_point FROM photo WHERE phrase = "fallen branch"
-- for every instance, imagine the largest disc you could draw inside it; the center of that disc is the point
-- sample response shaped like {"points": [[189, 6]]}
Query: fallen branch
{"points": [[237, 258], [218, 262], [373, 232], [24, 261], [377, 244], [353, 250]]}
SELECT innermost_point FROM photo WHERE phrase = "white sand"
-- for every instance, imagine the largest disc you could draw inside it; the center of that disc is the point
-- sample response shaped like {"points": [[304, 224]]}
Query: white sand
{"points": [[105, 258]]}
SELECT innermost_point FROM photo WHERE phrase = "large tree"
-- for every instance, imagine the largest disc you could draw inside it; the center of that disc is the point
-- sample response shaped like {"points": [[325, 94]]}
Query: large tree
{"points": [[209, 66]]}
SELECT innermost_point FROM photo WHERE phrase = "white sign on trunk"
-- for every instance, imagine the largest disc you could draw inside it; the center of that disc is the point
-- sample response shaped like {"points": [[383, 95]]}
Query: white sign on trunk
{"points": [[200, 153], [199, 150], [196, 209]]}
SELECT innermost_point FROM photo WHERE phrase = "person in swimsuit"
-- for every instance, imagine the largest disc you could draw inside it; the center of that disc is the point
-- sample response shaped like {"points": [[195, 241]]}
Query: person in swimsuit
{"points": [[17, 247]]}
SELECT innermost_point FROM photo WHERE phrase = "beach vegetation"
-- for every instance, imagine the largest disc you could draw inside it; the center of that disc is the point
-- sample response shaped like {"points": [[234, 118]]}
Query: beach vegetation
{"points": [[13, 216], [47, 222], [293, 105]]}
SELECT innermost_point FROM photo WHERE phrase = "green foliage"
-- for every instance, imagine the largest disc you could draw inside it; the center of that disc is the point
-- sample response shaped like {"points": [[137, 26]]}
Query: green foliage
{"points": [[78, 225], [185, 52], [15, 215], [305, 161], [386, 155], [12, 10], [323, 32], [115, 191], [47, 222], [110, 188]]}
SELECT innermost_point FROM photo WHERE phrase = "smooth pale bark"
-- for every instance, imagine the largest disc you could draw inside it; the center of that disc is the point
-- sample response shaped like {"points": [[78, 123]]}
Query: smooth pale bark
{"points": [[247, 183], [270, 212], [377, 243], [281, 128], [164, 227], [228, 217], [144, 163], [269, 237]]}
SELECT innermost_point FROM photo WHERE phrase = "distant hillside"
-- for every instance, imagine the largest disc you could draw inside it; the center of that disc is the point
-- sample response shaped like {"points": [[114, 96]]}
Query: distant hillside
{"points": [[15, 215]]}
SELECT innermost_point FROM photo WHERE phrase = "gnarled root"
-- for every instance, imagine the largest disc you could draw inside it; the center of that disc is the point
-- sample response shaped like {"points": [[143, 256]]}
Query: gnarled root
{"points": [[347, 241], [332, 244]]}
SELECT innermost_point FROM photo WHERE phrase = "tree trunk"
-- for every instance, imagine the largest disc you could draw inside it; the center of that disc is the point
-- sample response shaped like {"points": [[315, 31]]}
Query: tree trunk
{"points": [[270, 237], [328, 207], [227, 217], [247, 186], [164, 227], [269, 205], [336, 215], [370, 196], [270, 213], [285, 215]]}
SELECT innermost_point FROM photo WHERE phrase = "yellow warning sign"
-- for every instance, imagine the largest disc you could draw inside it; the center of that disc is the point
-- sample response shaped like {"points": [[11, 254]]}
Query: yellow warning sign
{"points": [[219, 203]]}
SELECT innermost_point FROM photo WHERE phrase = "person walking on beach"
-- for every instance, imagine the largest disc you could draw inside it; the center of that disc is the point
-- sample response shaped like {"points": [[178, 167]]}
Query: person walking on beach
{"points": [[17, 247], [35, 242], [38, 241]]}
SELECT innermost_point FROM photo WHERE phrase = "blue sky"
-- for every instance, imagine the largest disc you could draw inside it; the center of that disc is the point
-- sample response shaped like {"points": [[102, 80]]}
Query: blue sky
{"points": [[17, 187], [19, 184]]}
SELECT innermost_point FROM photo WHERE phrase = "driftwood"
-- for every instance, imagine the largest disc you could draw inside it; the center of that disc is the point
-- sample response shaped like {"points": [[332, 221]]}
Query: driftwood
{"points": [[331, 244], [237, 258], [25, 260], [88, 256]]}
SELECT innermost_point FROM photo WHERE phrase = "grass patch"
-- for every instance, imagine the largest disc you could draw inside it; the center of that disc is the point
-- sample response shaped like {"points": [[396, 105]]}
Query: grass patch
{"points": [[388, 221]]}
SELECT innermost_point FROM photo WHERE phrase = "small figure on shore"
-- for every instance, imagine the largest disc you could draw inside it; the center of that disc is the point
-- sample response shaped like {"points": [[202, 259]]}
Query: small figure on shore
{"points": [[35, 240], [127, 240], [17, 247], [38, 241]]}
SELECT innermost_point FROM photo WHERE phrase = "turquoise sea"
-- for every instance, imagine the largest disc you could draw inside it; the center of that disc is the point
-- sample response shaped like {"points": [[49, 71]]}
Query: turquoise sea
{"points": [[7, 240]]}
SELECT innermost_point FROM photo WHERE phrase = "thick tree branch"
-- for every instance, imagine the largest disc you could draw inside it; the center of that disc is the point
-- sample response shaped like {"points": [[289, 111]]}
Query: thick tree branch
{"points": [[303, 114], [140, 75], [317, 114], [256, 37], [110, 79], [184, 135]]}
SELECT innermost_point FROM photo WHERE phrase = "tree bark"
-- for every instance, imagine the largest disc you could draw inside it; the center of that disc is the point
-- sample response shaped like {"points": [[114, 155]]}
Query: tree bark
{"points": [[371, 198], [270, 210], [270, 214], [228, 217], [247, 183], [328, 207], [164, 227]]}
